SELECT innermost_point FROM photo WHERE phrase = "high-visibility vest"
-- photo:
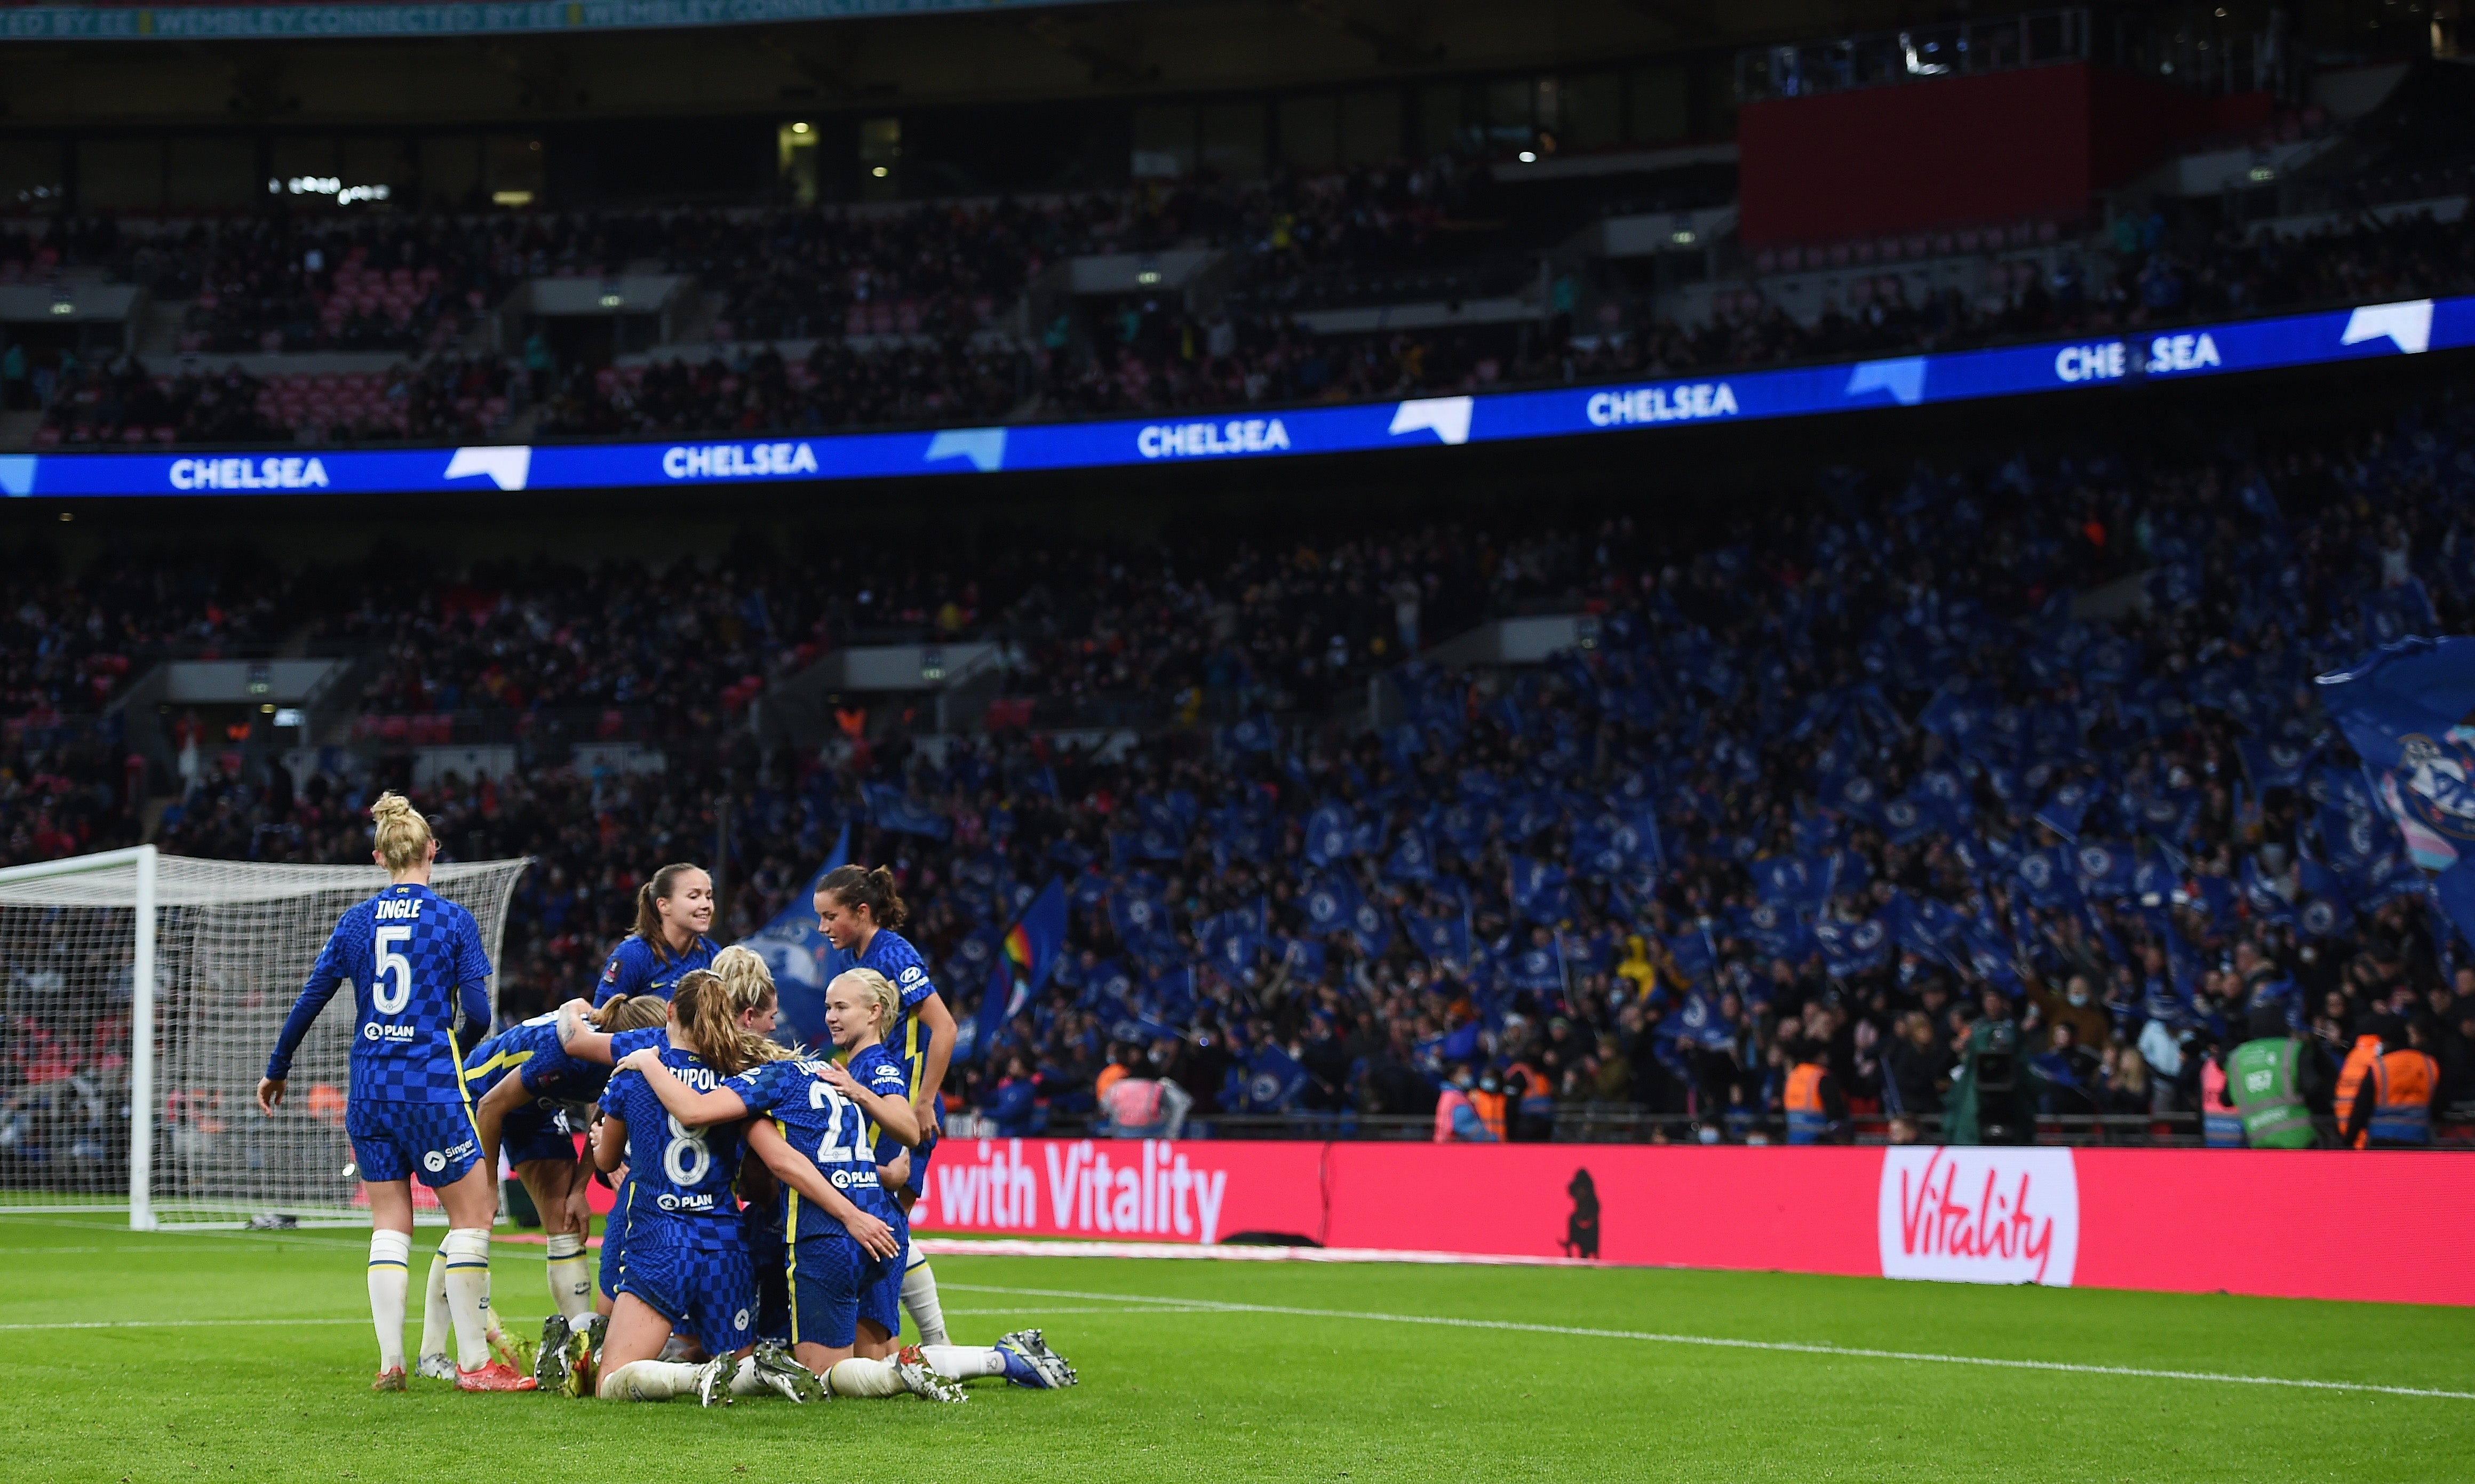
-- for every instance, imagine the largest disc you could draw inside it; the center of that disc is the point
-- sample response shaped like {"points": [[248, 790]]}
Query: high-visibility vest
{"points": [[2404, 1113], [2265, 1084], [2364, 1061], [1807, 1122], [1490, 1111]]}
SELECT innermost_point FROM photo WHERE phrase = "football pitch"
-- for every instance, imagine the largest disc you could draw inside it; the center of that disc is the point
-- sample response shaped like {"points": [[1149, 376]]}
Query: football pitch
{"points": [[189, 1356]]}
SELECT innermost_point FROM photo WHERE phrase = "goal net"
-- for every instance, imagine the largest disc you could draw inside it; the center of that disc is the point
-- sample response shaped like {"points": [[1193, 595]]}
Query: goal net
{"points": [[129, 1071]]}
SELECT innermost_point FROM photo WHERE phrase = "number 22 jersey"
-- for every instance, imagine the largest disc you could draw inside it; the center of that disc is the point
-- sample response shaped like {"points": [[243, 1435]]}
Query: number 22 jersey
{"points": [[833, 1132]]}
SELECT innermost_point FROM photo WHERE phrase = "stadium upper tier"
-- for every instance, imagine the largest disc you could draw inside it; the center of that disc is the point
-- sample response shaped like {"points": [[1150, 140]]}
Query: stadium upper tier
{"points": [[1205, 298], [2045, 727]]}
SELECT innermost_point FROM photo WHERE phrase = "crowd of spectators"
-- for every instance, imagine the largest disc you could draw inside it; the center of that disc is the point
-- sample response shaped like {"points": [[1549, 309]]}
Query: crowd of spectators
{"points": [[833, 387], [1819, 779], [910, 308]]}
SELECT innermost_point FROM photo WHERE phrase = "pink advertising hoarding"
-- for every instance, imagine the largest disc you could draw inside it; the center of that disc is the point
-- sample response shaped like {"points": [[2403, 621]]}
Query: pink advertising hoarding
{"points": [[2255, 1221]]}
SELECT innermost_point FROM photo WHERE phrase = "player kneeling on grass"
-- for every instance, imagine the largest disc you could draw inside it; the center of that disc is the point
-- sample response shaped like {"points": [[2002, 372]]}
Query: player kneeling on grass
{"points": [[687, 1266], [846, 1271], [530, 1093], [586, 1036]]}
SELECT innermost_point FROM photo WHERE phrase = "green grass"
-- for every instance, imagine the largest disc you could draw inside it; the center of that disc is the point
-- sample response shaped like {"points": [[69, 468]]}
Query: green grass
{"points": [[1176, 1390]]}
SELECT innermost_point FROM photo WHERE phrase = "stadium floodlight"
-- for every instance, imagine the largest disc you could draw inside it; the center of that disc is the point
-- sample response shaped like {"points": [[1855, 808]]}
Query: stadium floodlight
{"points": [[140, 995]]}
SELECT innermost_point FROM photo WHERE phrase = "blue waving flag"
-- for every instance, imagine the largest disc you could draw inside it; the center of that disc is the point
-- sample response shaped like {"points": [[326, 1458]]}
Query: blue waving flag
{"points": [[1303, 958], [1907, 820], [1332, 901], [1410, 859], [1444, 936], [2106, 873], [1850, 948], [2400, 707], [2274, 764], [1535, 968], [1778, 932], [2065, 809], [802, 960], [1329, 830], [1254, 734], [1690, 949], [1540, 889], [1989, 958], [1792, 882], [1027, 954], [894, 810], [1699, 1022], [2046, 876], [1273, 1081]]}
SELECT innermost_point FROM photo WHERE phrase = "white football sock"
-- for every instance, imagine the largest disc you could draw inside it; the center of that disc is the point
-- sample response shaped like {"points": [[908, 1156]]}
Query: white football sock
{"points": [[744, 1381], [648, 1381], [963, 1362], [920, 1299], [570, 1276], [390, 1277], [437, 1323], [468, 1294], [857, 1378]]}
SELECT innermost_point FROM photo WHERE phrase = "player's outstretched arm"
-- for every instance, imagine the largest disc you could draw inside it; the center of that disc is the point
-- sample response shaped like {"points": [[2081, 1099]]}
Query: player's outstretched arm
{"points": [[692, 1109], [324, 976], [577, 1036], [794, 1170], [896, 1116]]}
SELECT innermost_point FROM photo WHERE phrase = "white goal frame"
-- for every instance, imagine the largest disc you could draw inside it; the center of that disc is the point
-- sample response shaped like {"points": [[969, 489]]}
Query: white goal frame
{"points": [[146, 903]]}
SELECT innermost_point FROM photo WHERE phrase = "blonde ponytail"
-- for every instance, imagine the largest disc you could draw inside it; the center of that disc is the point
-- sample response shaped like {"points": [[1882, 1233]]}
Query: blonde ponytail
{"points": [[708, 1004], [402, 836]]}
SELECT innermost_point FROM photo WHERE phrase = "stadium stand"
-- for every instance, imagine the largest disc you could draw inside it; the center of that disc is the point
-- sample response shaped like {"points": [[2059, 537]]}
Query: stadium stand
{"points": [[2045, 726], [951, 313]]}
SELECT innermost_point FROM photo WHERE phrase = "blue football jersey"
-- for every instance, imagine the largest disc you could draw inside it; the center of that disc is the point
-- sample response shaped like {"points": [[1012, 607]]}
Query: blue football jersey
{"points": [[634, 968], [678, 1179], [530, 1049], [418, 973], [892, 955], [826, 1126]]}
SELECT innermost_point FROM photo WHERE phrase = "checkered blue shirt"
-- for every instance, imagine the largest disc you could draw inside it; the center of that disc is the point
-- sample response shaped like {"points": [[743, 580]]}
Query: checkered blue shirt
{"points": [[419, 975]]}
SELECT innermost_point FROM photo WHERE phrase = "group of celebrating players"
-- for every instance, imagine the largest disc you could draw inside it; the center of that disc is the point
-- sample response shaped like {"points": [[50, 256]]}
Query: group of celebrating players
{"points": [[722, 1275]]}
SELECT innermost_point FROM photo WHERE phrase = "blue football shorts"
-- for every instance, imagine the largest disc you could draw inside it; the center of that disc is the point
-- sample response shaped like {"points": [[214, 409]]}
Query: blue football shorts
{"points": [[432, 1142], [708, 1291]]}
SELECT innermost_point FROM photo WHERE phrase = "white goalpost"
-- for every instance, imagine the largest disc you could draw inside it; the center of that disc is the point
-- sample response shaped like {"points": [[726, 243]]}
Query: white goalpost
{"points": [[139, 996]]}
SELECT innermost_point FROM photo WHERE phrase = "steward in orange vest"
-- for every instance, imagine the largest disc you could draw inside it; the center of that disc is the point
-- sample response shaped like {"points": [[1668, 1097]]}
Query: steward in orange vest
{"points": [[2363, 1064], [1816, 1109], [2394, 1111]]}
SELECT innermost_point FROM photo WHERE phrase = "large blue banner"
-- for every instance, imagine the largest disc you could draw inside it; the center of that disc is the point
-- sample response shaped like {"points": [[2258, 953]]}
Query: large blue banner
{"points": [[2408, 329]]}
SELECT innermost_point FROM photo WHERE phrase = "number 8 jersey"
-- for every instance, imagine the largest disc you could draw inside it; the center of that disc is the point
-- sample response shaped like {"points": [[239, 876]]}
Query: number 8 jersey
{"points": [[678, 1179], [419, 977]]}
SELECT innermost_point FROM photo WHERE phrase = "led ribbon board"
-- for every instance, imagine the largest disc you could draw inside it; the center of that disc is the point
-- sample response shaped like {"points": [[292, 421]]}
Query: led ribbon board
{"points": [[2372, 331]]}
